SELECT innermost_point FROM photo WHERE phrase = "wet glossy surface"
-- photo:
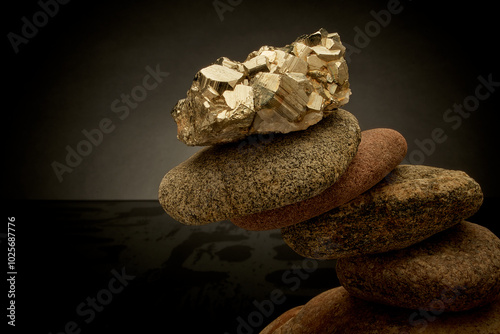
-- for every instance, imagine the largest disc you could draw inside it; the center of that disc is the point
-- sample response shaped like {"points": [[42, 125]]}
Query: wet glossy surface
{"points": [[199, 278]]}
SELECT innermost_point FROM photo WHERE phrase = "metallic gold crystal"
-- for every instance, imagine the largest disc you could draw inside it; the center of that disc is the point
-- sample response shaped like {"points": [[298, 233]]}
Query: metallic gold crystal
{"points": [[218, 77], [274, 90]]}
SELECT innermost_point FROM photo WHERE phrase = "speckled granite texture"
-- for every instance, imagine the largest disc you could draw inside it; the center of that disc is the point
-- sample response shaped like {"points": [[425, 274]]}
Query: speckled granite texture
{"points": [[261, 172], [411, 204], [379, 152], [336, 312], [455, 270]]}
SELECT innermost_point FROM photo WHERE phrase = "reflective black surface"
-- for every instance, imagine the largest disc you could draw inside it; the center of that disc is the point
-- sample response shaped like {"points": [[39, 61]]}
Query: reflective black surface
{"points": [[125, 266]]}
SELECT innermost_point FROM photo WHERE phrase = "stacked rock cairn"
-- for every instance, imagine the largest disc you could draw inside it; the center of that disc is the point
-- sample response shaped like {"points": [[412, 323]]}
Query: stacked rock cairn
{"points": [[282, 154]]}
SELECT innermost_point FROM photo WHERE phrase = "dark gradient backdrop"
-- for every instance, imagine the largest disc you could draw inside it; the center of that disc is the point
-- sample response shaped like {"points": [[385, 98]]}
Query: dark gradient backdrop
{"points": [[66, 77]]}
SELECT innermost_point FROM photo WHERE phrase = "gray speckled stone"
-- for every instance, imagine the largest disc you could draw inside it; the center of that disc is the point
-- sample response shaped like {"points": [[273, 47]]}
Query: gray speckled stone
{"points": [[411, 204], [455, 270], [379, 152], [260, 173], [335, 311]]}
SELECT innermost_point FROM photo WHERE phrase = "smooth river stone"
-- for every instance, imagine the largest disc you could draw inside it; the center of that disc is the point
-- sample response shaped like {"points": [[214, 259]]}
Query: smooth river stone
{"points": [[261, 172], [455, 270], [281, 320], [379, 152], [411, 204], [336, 312]]}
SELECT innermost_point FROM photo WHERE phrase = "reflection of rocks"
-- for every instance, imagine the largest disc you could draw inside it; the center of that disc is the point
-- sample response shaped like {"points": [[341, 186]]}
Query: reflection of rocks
{"points": [[216, 269], [234, 253], [99, 236], [194, 283], [225, 270]]}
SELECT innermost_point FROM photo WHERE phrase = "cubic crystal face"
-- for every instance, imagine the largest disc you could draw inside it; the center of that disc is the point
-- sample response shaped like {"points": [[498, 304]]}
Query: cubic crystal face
{"points": [[280, 89]]}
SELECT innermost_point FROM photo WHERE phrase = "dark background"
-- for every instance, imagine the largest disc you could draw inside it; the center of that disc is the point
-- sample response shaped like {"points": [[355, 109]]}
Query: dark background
{"points": [[66, 77], [427, 59]]}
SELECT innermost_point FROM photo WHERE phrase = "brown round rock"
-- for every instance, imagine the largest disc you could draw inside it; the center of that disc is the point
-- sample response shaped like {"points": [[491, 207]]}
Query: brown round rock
{"points": [[336, 312], [379, 152], [411, 204], [281, 320], [261, 172], [455, 270]]}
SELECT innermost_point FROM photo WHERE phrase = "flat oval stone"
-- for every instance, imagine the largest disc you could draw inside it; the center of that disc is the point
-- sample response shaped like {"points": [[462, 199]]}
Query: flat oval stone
{"points": [[262, 172], [411, 204], [379, 152], [455, 270], [335, 311]]}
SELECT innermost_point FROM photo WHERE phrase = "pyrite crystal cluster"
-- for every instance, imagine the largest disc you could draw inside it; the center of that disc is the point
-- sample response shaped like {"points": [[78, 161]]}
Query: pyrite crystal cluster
{"points": [[276, 89]]}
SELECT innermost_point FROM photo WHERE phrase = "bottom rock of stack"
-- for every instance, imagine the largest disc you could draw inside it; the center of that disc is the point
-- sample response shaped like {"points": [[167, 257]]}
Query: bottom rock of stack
{"points": [[335, 311]]}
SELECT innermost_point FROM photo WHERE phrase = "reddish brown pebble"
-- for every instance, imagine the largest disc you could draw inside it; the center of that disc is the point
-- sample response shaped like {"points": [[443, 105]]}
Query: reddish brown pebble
{"points": [[455, 270], [336, 312], [281, 320], [379, 152]]}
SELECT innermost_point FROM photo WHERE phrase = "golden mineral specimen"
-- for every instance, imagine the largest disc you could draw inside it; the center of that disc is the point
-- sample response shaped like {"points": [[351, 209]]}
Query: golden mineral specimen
{"points": [[280, 89]]}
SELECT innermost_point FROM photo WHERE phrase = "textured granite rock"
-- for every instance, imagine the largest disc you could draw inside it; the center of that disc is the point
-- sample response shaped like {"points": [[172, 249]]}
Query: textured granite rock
{"points": [[455, 270], [411, 204], [336, 312], [379, 152], [261, 172]]}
